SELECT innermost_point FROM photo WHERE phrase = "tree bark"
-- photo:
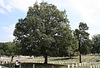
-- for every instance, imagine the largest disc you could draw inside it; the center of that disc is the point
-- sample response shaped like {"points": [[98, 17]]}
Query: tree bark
{"points": [[46, 59], [12, 58], [70, 56], [80, 58], [80, 50]]}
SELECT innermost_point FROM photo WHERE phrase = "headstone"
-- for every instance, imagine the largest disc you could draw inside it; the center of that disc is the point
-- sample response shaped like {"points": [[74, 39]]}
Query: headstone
{"points": [[68, 66], [52, 66], [72, 65], [76, 65], [79, 64], [90, 66], [33, 65], [93, 66]]}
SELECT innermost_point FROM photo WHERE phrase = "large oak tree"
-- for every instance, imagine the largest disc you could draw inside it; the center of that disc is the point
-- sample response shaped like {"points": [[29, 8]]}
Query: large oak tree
{"points": [[45, 31]]}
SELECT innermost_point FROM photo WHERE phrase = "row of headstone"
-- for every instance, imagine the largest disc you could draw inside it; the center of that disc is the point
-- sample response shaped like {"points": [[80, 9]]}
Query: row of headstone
{"points": [[83, 64], [94, 66], [72, 65], [4, 62], [94, 54], [34, 61], [75, 64]]}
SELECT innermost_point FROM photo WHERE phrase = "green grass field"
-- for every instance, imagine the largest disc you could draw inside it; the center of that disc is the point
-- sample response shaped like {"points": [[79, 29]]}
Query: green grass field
{"points": [[61, 61], [57, 60], [83, 67]]}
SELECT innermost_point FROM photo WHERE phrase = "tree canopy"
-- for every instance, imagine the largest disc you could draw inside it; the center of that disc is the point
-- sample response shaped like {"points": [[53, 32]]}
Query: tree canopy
{"points": [[7, 49], [96, 44], [45, 31], [83, 39]]}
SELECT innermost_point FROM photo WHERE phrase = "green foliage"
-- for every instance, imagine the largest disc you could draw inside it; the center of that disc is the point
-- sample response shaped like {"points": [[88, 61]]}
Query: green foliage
{"points": [[3, 48], [83, 38], [10, 51], [6, 49], [96, 44], [2, 52], [45, 31]]}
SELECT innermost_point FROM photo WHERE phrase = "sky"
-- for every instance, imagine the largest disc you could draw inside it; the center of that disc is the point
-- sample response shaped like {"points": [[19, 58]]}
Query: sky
{"points": [[87, 11]]}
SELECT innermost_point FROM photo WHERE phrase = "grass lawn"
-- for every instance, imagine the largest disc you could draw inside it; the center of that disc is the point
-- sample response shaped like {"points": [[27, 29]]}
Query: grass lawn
{"points": [[83, 67], [58, 60]]}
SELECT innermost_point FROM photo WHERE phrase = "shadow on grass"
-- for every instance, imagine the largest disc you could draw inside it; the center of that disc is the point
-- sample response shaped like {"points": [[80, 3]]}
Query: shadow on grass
{"points": [[7, 65], [97, 60], [41, 65], [61, 59], [37, 65]]}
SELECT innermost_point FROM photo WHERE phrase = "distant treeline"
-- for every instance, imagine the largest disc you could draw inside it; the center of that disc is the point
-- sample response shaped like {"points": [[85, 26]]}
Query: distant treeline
{"points": [[6, 48], [9, 48]]}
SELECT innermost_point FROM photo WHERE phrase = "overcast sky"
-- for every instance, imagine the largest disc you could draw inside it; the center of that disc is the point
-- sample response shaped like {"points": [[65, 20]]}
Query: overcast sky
{"points": [[87, 11]]}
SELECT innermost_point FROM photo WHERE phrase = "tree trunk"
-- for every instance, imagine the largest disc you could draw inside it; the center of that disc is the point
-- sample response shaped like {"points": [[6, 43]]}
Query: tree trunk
{"points": [[12, 58], [80, 49], [70, 56], [80, 58], [46, 59]]}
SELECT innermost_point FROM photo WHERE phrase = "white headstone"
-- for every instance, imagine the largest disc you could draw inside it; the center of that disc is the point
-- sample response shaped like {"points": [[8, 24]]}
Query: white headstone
{"points": [[93, 66], [90, 66], [72, 65], [68, 66], [52, 66], [79, 64], [76, 65], [33, 65]]}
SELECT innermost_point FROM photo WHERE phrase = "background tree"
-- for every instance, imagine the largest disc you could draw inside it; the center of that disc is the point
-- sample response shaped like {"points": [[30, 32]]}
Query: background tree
{"points": [[10, 50], [3, 48], [83, 38], [7, 49], [73, 48], [2, 52], [96, 44], [45, 31], [69, 45]]}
